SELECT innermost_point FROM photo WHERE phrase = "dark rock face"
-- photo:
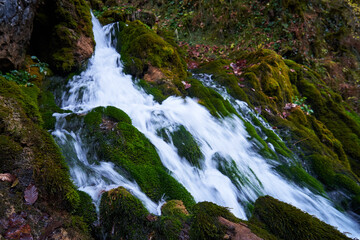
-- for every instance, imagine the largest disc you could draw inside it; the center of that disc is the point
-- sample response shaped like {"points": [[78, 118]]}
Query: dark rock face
{"points": [[16, 24], [62, 34]]}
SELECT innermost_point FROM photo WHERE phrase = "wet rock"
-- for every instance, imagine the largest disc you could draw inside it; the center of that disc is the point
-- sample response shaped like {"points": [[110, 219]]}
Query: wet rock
{"points": [[16, 25]]}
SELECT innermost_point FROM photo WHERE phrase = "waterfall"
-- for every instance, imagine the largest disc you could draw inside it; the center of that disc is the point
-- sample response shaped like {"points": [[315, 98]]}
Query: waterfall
{"points": [[104, 84]]}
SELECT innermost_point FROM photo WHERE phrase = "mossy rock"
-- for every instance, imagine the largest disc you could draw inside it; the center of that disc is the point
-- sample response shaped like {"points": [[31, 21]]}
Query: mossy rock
{"points": [[21, 128], [116, 13], [187, 146], [172, 223], [112, 137], [330, 131], [205, 223], [147, 55], [64, 29], [174, 208], [210, 99], [123, 216], [86, 209], [288, 222]]}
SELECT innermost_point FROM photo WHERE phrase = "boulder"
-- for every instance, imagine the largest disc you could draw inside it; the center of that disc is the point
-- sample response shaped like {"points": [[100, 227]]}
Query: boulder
{"points": [[16, 25]]}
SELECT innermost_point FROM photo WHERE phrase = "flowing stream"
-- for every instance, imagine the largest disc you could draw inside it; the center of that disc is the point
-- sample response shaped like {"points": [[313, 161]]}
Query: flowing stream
{"points": [[104, 84]]}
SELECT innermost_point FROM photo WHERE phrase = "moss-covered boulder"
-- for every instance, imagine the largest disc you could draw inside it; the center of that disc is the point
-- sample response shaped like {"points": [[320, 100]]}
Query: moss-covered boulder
{"points": [[210, 221], [173, 222], [174, 208], [330, 131], [62, 34], [147, 55], [110, 136], [288, 222], [123, 216], [29, 153]]}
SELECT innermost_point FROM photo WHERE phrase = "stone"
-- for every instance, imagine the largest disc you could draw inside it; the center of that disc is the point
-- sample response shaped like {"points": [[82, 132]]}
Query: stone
{"points": [[16, 24]]}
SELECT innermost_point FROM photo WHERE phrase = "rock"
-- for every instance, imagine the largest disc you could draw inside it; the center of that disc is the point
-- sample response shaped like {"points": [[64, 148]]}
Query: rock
{"points": [[237, 231], [288, 222], [123, 216], [16, 25], [63, 35]]}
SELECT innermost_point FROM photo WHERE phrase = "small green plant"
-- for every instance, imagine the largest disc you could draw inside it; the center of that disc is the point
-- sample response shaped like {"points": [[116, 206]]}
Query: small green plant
{"points": [[43, 67], [301, 102], [21, 77]]}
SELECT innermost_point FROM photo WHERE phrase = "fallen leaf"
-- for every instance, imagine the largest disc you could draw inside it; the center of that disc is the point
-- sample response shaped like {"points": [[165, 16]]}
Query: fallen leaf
{"points": [[7, 177], [16, 182], [31, 194], [22, 232]]}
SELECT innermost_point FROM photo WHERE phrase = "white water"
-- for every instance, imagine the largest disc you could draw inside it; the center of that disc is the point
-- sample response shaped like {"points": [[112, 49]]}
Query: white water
{"points": [[104, 84]]}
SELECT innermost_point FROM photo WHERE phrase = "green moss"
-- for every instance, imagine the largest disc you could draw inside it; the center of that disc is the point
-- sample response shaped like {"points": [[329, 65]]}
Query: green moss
{"points": [[153, 90], [137, 44], [123, 216], [240, 180], [205, 224], [169, 228], [297, 174], [21, 127], [48, 107], [129, 149], [264, 150], [117, 114], [86, 209], [172, 221], [221, 75], [174, 208], [288, 222], [26, 97], [209, 98], [10, 151], [187, 147]]}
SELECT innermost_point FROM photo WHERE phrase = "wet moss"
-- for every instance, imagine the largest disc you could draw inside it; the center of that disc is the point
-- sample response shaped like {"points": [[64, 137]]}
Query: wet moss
{"points": [[209, 98], [86, 209], [229, 168], [153, 90], [296, 173], [142, 49], [288, 222], [116, 140], [123, 216], [260, 143], [221, 75], [187, 147], [205, 223]]}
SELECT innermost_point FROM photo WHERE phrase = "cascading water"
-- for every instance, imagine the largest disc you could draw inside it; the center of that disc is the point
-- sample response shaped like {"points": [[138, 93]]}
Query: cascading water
{"points": [[104, 84]]}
